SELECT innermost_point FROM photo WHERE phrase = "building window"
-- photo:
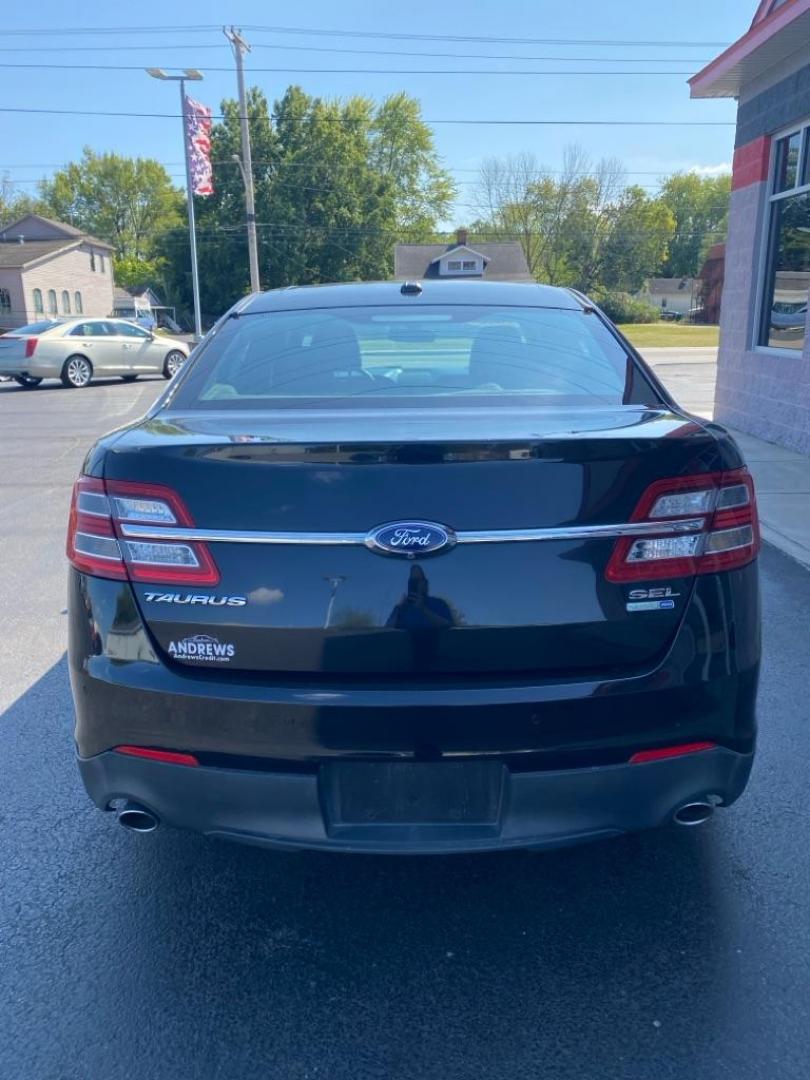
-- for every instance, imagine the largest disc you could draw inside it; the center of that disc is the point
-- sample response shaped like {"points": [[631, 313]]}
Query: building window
{"points": [[5, 301], [65, 302], [787, 267], [52, 308], [77, 302], [92, 260], [38, 308], [463, 266], [101, 263]]}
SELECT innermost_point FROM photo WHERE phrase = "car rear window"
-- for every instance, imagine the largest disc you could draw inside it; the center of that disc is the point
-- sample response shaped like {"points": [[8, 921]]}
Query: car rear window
{"points": [[431, 355]]}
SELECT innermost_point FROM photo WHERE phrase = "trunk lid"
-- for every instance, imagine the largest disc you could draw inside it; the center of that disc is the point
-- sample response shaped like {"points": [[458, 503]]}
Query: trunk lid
{"points": [[480, 609]]}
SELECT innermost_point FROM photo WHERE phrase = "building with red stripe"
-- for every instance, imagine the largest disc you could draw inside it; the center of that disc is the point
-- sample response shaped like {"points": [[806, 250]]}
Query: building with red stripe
{"points": [[763, 382]]}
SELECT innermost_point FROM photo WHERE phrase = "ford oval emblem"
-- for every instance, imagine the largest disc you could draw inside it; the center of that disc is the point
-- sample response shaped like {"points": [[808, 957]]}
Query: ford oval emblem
{"points": [[410, 539]]}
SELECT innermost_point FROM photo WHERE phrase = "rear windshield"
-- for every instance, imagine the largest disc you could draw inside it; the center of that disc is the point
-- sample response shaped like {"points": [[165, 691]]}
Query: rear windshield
{"points": [[33, 328], [436, 355]]}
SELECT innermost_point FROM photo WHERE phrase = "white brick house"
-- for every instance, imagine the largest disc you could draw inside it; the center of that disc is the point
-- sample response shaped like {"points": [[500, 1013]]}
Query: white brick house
{"points": [[48, 268]]}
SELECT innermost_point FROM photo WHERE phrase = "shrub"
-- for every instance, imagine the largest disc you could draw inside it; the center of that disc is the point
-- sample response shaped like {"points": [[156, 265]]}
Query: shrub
{"points": [[621, 307]]}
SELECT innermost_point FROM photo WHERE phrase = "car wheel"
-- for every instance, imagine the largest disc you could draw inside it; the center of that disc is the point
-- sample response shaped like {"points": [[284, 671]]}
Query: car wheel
{"points": [[173, 362], [28, 382], [77, 372], [128, 378]]}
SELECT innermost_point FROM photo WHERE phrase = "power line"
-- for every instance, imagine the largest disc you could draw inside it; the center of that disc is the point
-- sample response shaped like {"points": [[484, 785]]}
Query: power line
{"points": [[350, 120], [478, 207], [487, 56], [275, 46], [345, 71], [306, 165], [82, 31], [320, 32], [150, 48], [202, 28]]}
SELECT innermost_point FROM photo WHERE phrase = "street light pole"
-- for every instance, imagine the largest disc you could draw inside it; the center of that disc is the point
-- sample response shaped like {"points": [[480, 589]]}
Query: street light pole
{"points": [[195, 76], [240, 47]]}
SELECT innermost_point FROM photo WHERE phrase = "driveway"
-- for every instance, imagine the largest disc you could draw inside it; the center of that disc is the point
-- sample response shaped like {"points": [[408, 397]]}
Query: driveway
{"points": [[689, 375]]}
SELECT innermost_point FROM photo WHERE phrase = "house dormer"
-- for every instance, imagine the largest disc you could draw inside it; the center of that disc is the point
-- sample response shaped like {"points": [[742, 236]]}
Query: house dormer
{"points": [[460, 260]]}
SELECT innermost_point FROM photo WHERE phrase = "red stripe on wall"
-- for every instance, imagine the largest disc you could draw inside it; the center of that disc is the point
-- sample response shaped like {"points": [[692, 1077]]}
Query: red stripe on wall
{"points": [[751, 163]]}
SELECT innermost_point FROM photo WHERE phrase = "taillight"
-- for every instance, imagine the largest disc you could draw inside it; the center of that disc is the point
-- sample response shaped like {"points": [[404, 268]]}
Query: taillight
{"points": [[168, 757], [30, 347], [95, 544], [663, 752], [726, 504]]}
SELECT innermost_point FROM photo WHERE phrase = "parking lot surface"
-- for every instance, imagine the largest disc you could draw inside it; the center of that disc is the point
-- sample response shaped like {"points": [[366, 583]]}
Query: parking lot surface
{"points": [[681, 954]]}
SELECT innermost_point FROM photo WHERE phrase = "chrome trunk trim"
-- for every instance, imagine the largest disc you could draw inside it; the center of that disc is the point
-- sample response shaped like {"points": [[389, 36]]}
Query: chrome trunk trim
{"points": [[486, 536]]}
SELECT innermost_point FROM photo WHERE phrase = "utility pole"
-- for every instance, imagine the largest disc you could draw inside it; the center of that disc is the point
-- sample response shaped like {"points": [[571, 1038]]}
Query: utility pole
{"points": [[240, 47]]}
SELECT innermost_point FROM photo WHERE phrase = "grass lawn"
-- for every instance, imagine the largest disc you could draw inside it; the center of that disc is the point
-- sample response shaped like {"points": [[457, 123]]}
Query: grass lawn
{"points": [[670, 334]]}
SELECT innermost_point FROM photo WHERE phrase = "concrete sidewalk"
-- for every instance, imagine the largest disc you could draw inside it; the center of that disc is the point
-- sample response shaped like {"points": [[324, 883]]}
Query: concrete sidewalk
{"points": [[782, 477]]}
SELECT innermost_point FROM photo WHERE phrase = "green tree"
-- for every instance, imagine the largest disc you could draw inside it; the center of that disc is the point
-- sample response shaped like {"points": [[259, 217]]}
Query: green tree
{"points": [[403, 152], [336, 184], [582, 227], [126, 201], [699, 205], [130, 270], [640, 230], [333, 214]]}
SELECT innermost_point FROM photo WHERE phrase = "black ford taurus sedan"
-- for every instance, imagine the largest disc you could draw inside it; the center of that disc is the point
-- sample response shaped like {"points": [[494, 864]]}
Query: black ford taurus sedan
{"points": [[428, 567]]}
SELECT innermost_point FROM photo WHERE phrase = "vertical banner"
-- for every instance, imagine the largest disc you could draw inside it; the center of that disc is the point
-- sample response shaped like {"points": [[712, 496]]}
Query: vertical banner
{"points": [[198, 144]]}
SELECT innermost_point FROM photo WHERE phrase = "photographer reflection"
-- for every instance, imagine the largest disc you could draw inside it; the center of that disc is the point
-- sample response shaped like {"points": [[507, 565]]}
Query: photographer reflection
{"points": [[423, 615]]}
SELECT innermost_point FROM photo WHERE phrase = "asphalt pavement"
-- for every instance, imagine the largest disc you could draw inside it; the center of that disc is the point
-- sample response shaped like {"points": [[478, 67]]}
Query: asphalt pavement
{"points": [[676, 955]]}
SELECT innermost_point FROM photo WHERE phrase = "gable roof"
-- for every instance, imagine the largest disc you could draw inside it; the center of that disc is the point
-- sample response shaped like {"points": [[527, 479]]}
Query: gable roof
{"points": [[461, 250], [16, 256], [128, 292], [666, 286], [502, 261], [69, 232]]}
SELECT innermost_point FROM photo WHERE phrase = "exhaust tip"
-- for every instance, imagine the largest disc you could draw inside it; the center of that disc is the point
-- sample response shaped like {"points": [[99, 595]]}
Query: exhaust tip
{"points": [[694, 813], [137, 818]]}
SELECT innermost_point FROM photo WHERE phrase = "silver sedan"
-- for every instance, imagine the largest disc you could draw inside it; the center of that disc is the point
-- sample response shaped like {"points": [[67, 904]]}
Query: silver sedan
{"points": [[77, 350]]}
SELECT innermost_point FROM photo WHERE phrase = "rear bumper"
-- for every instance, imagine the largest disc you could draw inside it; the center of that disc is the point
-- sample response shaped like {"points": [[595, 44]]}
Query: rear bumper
{"points": [[18, 366], [536, 809]]}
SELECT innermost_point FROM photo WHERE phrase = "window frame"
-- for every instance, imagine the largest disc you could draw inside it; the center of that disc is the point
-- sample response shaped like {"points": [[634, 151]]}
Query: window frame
{"points": [[66, 301], [39, 302], [456, 265], [772, 197], [5, 300], [77, 303]]}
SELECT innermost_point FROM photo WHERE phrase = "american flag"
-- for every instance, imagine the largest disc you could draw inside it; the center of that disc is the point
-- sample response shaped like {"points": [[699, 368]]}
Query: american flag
{"points": [[198, 140]]}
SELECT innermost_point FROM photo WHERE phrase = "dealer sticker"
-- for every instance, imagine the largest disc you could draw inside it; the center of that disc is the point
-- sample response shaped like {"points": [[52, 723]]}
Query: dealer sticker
{"points": [[202, 648]]}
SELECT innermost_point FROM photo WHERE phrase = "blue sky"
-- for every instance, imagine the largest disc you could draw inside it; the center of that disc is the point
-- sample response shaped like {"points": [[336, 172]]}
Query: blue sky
{"points": [[31, 146]]}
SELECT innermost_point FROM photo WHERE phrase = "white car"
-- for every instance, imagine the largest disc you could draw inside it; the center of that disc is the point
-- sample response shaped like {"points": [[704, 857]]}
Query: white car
{"points": [[77, 350]]}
